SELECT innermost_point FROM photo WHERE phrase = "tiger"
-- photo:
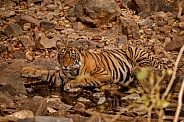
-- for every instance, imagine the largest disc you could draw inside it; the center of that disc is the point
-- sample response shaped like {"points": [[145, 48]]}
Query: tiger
{"points": [[82, 68]]}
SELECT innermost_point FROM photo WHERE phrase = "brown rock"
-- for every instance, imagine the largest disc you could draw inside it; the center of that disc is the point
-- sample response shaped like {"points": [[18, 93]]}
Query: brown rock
{"points": [[122, 39], [181, 25], [175, 44], [23, 114], [22, 19], [78, 26], [71, 2], [27, 42], [2, 47], [47, 25], [13, 29], [5, 101], [6, 13], [79, 107], [11, 75], [94, 12], [38, 105], [18, 54], [43, 42]]}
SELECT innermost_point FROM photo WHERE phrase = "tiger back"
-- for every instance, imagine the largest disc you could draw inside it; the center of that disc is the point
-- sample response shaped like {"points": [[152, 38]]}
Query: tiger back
{"points": [[83, 68]]}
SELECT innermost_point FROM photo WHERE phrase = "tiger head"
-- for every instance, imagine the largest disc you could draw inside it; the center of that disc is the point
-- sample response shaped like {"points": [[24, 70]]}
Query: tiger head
{"points": [[69, 57]]}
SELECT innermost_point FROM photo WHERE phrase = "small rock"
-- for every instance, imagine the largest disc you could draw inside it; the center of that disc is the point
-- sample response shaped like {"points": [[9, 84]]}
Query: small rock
{"points": [[82, 99], [71, 2], [181, 33], [175, 44], [27, 41], [146, 22], [6, 13], [78, 26], [181, 25], [22, 19], [47, 25], [51, 7], [13, 29], [167, 40], [101, 100], [43, 42], [19, 55], [5, 101], [73, 36], [79, 106], [23, 114], [122, 39], [27, 26], [52, 119], [38, 105], [2, 48], [161, 23]]}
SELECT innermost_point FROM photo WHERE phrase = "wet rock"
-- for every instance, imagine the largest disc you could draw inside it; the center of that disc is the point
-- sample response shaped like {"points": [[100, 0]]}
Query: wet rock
{"points": [[13, 29], [94, 12], [52, 119], [37, 105], [22, 19], [47, 25], [175, 44]]}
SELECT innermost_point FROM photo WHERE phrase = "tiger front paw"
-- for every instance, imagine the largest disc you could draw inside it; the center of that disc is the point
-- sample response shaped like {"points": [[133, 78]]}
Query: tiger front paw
{"points": [[28, 72]]}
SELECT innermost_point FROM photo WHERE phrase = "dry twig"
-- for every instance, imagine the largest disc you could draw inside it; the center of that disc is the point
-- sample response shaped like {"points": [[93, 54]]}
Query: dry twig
{"points": [[180, 96]]}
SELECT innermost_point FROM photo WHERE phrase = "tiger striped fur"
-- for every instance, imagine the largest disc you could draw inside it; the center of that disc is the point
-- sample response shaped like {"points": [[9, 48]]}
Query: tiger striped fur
{"points": [[79, 68]]}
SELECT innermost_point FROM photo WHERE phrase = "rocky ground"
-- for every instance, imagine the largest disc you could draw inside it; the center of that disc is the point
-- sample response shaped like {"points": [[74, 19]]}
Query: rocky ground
{"points": [[28, 33]]}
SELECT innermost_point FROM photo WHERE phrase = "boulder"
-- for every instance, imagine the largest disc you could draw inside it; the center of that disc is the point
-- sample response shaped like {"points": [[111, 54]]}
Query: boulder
{"points": [[94, 12]]}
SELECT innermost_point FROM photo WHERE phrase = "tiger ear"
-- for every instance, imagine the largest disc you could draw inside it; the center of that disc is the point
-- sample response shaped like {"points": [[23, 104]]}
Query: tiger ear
{"points": [[59, 44]]}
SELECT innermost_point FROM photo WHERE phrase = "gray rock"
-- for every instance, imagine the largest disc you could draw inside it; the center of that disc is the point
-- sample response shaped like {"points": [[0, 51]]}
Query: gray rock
{"points": [[94, 12]]}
